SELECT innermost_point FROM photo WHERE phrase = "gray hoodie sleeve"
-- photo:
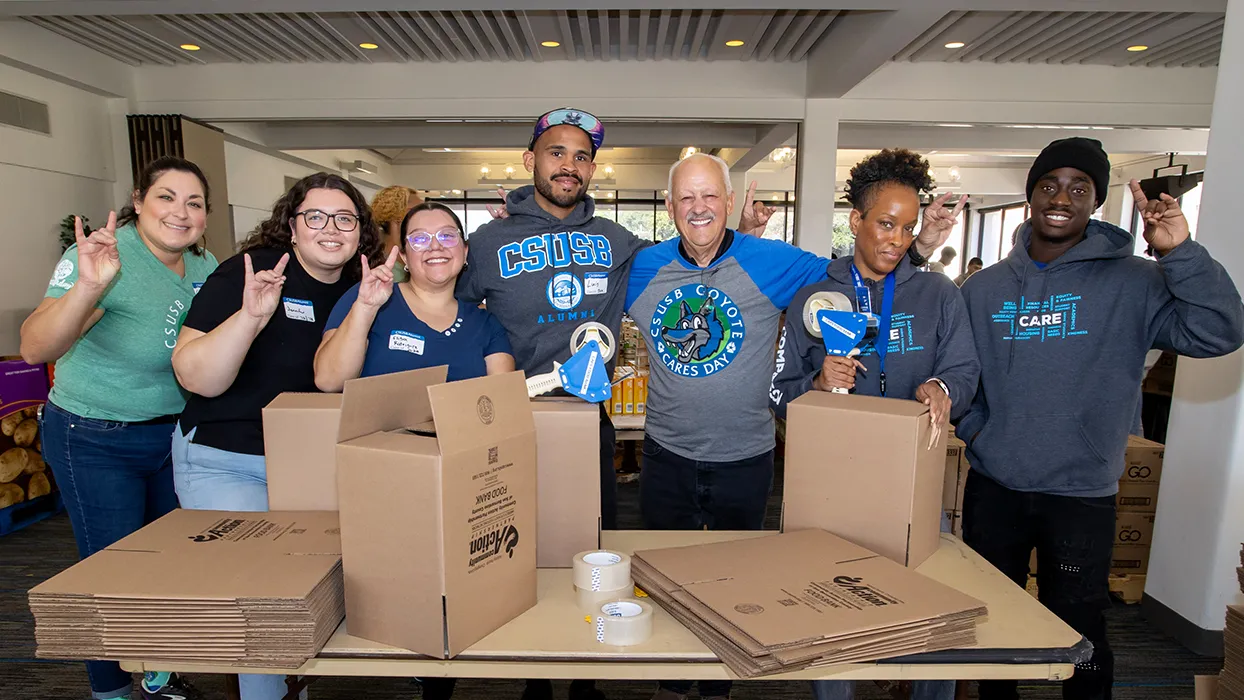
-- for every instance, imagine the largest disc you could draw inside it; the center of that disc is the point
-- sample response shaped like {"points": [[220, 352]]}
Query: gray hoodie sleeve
{"points": [[468, 287], [1196, 307], [797, 364], [957, 364]]}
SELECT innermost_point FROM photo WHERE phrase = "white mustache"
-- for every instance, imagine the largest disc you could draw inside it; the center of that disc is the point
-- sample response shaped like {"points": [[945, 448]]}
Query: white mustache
{"points": [[702, 215]]}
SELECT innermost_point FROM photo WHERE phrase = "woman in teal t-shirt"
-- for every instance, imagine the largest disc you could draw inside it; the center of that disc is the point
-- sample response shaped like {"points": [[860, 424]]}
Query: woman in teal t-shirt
{"points": [[110, 321]]}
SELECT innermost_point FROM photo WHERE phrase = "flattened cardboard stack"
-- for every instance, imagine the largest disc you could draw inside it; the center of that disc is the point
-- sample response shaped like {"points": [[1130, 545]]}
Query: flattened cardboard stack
{"points": [[1231, 682], [248, 589], [803, 599]]}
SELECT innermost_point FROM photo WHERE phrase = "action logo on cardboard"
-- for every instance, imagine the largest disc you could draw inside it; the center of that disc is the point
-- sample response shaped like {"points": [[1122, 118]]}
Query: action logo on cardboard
{"points": [[697, 330]]}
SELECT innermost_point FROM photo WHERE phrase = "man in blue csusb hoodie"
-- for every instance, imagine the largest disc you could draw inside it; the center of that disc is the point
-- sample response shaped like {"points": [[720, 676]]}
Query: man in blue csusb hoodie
{"points": [[1062, 327]]}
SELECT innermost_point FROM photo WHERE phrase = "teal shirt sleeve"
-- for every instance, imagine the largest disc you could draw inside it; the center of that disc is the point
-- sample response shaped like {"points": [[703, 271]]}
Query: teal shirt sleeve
{"points": [[65, 276]]}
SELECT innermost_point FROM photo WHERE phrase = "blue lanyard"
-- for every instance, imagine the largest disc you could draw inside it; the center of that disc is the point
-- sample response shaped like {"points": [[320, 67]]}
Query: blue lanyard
{"points": [[863, 297]]}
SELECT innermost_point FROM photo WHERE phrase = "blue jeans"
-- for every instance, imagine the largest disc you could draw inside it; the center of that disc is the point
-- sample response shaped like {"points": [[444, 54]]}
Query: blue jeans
{"points": [[212, 479], [114, 478], [679, 493], [920, 690]]}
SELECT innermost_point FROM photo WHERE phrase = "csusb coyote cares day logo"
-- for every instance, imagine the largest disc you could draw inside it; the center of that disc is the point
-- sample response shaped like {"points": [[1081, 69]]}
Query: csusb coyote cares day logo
{"points": [[697, 330]]}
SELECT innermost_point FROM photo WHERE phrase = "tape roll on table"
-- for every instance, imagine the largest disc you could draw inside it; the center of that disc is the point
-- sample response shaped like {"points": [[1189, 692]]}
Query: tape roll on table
{"points": [[601, 570], [590, 601], [624, 623]]}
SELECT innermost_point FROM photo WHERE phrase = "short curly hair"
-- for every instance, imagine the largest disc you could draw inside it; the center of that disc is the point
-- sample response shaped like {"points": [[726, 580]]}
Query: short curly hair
{"points": [[897, 166], [390, 204]]}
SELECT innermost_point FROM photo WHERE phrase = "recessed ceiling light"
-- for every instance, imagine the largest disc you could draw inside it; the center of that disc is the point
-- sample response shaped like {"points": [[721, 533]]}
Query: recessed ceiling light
{"points": [[955, 45], [1138, 47], [550, 44], [369, 46], [191, 47], [734, 43]]}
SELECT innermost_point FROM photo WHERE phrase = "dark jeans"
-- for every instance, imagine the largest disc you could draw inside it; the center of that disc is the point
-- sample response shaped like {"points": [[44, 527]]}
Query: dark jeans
{"points": [[608, 478], [679, 493], [115, 478], [1073, 538]]}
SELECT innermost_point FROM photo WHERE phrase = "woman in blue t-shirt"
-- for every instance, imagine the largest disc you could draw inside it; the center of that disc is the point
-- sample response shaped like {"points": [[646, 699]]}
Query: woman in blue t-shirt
{"points": [[380, 327]]}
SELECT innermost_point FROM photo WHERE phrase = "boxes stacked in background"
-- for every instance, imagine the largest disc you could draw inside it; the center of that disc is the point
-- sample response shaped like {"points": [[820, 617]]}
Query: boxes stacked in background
{"points": [[1161, 378], [1136, 504], [952, 487], [27, 493], [630, 395]]}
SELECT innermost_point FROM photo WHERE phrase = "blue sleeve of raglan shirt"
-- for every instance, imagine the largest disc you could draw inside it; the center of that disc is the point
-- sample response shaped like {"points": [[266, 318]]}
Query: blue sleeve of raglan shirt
{"points": [[780, 269], [341, 309], [648, 262]]}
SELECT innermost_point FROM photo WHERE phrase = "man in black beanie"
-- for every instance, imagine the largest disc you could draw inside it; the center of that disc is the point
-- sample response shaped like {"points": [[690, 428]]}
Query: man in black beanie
{"points": [[1062, 327]]}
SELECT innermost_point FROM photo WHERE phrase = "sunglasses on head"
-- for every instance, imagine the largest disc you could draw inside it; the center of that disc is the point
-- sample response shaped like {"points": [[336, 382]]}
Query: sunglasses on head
{"points": [[422, 240]]}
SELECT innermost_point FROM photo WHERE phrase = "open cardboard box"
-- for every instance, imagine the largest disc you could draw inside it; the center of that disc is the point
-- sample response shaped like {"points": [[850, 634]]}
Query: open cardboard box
{"points": [[861, 468], [436, 487]]}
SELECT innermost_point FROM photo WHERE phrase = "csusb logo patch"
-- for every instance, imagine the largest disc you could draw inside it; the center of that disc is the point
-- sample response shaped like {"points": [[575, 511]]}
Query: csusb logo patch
{"points": [[697, 330], [565, 291]]}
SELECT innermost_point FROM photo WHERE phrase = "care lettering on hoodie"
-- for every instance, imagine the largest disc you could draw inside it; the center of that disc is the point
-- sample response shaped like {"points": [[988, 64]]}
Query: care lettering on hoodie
{"points": [[1054, 318]]}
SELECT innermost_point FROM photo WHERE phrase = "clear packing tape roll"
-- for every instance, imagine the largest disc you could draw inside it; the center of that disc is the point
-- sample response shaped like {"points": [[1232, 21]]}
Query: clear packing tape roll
{"points": [[624, 623], [602, 570], [590, 601]]}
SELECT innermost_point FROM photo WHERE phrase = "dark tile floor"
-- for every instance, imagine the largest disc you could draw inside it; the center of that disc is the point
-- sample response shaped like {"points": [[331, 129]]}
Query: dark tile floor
{"points": [[1149, 665]]}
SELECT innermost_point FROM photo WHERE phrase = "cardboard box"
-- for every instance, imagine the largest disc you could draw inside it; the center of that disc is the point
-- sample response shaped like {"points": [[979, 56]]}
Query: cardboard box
{"points": [[628, 396], [300, 442], [641, 394], [861, 468], [615, 400], [1133, 529], [436, 486], [1129, 559], [568, 462], [952, 488], [1205, 687], [1136, 497], [1143, 460]]}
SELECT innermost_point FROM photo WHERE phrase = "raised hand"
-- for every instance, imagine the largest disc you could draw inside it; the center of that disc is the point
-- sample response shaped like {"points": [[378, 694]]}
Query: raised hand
{"points": [[261, 293], [754, 216], [377, 284], [930, 394], [98, 259], [1165, 225], [837, 373], [937, 223], [500, 212]]}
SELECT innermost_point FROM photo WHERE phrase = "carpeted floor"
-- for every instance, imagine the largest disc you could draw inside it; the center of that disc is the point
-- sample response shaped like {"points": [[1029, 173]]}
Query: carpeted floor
{"points": [[1149, 665]]}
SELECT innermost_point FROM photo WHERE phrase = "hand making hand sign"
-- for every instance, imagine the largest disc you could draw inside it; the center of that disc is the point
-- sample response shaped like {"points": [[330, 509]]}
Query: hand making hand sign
{"points": [[261, 292], [98, 259], [937, 223], [500, 212], [754, 216], [377, 284], [1165, 225]]}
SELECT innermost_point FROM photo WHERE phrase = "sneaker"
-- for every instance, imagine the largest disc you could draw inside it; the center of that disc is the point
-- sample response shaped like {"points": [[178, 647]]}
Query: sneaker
{"points": [[177, 688]]}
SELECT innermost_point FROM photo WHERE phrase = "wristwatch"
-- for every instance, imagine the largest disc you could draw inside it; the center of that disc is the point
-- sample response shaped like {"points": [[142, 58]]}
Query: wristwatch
{"points": [[916, 258]]}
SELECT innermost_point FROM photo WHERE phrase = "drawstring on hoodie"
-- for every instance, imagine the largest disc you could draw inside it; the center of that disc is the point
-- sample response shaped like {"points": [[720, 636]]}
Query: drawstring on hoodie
{"points": [[1019, 311]]}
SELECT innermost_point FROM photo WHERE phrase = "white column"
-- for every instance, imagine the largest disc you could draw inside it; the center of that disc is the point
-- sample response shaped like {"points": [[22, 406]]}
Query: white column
{"points": [[1200, 520], [816, 180], [738, 182]]}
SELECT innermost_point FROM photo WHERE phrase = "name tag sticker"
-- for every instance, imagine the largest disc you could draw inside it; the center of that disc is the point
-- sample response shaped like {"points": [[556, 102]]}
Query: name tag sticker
{"points": [[596, 283], [299, 309], [406, 342]]}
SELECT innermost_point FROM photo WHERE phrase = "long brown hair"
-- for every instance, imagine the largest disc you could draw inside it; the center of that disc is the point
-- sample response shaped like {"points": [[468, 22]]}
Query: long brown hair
{"points": [[275, 231], [154, 170]]}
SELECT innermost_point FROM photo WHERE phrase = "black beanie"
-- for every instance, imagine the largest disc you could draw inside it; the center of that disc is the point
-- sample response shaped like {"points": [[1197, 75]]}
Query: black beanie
{"points": [[1085, 155]]}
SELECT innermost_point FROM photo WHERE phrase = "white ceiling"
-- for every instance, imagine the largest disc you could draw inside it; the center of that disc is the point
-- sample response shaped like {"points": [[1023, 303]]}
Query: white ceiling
{"points": [[436, 36], [1173, 38]]}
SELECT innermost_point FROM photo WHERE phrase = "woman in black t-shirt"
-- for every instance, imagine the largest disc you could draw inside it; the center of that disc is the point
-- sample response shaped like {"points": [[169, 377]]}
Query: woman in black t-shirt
{"points": [[251, 333]]}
